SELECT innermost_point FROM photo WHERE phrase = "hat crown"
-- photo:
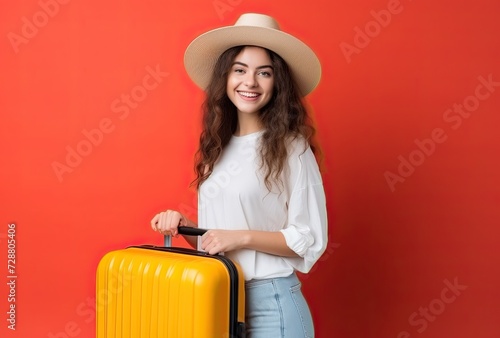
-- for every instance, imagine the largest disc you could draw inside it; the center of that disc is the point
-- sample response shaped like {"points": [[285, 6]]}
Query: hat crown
{"points": [[257, 20]]}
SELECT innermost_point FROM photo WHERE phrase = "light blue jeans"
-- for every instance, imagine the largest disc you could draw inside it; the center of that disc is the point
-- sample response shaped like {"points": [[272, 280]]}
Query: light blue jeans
{"points": [[276, 308]]}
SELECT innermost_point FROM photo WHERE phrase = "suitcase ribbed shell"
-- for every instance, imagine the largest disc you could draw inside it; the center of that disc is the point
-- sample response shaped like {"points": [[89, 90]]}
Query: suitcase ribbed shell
{"points": [[147, 293]]}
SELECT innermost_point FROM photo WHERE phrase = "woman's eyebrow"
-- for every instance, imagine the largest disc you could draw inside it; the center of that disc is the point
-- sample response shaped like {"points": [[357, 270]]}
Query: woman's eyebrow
{"points": [[245, 65]]}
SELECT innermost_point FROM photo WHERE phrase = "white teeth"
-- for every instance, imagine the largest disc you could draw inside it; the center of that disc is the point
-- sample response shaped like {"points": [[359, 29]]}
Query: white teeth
{"points": [[247, 94]]}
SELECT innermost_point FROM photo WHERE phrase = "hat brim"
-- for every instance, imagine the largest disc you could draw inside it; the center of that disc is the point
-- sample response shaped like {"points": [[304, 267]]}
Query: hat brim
{"points": [[203, 52]]}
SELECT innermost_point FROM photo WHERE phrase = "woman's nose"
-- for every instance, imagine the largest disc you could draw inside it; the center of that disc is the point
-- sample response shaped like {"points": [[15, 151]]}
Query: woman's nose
{"points": [[250, 80]]}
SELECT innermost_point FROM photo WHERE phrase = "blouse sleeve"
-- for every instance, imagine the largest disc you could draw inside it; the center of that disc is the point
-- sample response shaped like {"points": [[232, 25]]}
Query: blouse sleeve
{"points": [[306, 231]]}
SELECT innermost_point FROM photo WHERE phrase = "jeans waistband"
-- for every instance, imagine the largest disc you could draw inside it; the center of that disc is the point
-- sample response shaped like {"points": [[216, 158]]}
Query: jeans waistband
{"points": [[287, 280]]}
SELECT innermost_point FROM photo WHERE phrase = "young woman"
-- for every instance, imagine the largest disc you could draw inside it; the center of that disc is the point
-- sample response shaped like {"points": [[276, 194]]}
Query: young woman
{"points": [[260, 191]]}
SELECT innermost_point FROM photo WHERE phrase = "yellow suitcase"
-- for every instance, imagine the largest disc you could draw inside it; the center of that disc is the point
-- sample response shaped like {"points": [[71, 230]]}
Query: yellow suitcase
{"points": [[150, 291]]}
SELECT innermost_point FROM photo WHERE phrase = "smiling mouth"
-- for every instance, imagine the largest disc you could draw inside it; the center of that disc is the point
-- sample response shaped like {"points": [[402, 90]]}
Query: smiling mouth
{"points": [[249, 95]]}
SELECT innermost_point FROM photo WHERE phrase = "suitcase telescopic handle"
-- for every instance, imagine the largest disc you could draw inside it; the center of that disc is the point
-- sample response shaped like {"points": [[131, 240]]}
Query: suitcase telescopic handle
{"points": [[183, 230]]}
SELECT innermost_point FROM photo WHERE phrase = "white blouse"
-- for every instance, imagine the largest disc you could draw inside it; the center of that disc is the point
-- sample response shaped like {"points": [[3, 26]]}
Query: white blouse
{"points": [[235, 197]]}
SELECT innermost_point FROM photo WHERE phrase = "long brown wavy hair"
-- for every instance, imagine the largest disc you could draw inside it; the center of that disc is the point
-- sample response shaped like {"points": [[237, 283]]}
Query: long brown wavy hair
{"points": [[284, 118]]}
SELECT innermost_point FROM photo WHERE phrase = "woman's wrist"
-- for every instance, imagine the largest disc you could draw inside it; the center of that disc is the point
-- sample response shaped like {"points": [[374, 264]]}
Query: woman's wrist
{"points": [[246, 239], [189, 223], [270, 242]]}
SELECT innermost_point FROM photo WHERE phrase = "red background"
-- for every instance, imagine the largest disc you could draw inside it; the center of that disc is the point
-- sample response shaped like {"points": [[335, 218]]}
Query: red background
{"points": [[390, 251]]}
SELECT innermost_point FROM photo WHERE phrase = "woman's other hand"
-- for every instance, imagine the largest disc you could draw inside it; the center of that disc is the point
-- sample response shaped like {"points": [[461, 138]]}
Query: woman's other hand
{"points": [[217, 241], [167, 222]]}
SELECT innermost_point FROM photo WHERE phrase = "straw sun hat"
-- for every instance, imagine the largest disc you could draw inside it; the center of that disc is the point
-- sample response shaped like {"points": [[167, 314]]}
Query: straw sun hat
{"points": [[254, 30]]}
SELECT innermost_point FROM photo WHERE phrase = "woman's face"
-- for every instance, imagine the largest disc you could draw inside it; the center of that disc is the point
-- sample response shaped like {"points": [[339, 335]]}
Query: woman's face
{"points": [[251, 80]]}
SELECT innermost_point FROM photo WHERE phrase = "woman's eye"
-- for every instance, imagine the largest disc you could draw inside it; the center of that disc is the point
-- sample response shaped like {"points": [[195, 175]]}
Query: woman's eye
{"points": [[238, 70], [266, 74]]}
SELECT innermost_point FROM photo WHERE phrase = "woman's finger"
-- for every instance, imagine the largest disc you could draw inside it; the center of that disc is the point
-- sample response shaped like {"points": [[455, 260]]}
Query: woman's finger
{"points": [[206, 240], [160, 223], [154, 222], [170, 221], [167, 222]]}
